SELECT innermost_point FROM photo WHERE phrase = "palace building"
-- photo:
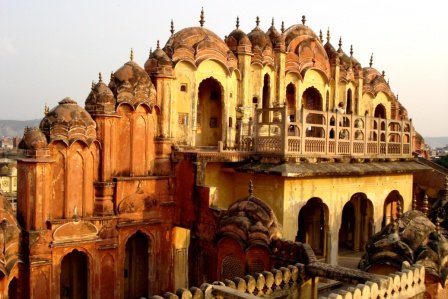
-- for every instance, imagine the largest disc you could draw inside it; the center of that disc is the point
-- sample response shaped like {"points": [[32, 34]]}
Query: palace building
{"points": [[142, 189]]}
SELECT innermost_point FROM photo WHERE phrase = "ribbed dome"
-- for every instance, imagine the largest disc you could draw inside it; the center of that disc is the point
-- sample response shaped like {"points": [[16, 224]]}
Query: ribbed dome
{"points": [[159, 63], [101, 100], [190, 38], [131, 84], [298, 30], [68, 122], [250, 221], [33, 139], [237, 40], [259, 39]]}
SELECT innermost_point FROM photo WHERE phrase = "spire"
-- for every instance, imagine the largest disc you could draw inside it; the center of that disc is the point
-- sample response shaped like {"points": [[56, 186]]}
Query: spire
{"points": [[237, 22], [93, 85], [328, 35], [202, 20], [272, 23], [112, 76], [46, 109], [251, 188], [303, 19], [351, 50], [414, 202], [132, 55], [340, 44], [283, 27], [172, 27], [257, 21], [100, 78], [150, 52], [371, 60], [383, 74], [158, 44], [321, 37]]}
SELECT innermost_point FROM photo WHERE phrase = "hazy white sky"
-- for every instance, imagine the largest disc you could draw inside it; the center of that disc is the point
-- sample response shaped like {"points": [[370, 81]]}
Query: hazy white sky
{"points": [[51, 49]]}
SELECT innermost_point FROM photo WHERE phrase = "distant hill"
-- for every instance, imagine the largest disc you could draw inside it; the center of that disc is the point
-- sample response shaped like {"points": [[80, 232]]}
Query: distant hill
{"points": [[12, 128], [435, 142]]}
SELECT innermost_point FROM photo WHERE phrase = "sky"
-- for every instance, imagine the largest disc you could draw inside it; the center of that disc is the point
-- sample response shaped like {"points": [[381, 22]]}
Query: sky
{"points": [[51, 49]]}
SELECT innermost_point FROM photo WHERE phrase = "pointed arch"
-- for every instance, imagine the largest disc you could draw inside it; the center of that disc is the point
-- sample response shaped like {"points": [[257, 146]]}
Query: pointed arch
{"points": [[74, 275], [312, 223]]}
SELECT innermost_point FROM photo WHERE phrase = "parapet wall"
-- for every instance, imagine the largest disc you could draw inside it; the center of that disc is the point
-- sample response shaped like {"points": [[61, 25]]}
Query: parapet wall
{"points": [[407, 283]]}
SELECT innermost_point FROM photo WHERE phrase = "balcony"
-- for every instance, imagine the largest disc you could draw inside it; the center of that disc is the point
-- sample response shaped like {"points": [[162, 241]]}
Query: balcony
{"points": [[319, 134]]}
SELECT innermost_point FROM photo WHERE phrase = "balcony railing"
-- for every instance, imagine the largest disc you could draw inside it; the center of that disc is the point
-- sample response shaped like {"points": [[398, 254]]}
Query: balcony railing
{"points": [[324, 134]]}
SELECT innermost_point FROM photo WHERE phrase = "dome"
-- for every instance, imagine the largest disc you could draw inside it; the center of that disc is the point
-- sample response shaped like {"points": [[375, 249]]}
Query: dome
{"points": [[412, 238], [250, 221], [101, 100], [68, 122], [370, 74], [159, 63], [277, 39], [33, 139], [131, 84], [238, 41], [190, 38], [259, 39], [298, 30]]}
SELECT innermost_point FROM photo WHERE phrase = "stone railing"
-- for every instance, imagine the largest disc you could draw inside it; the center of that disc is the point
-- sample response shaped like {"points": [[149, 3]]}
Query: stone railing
{"points": [[277, 283], [407, 283], [325, 134]]}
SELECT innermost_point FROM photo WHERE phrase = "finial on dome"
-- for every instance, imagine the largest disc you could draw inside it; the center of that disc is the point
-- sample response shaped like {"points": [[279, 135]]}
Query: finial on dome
{"points": [[112, 76], [414, 202], [351, 50], [92, 86], [340, 43], [150, 52], [257, 21], [303, 19], [46, 109], [321, 37], [371, 60], [202, 19], [388, 82], [272, 23], [132, 55], [251, 188], [158, 44], [383, 73], [172, 27], [100, 78], [283, 27], [237, 22]]}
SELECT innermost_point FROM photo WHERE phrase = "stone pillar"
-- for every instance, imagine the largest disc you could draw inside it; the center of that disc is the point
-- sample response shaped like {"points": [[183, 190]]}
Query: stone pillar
{"points": [[162, 162], [332, 258]]}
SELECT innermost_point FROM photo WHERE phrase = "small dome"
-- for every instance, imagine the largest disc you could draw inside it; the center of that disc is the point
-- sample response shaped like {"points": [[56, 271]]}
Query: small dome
{"points": [[101, 100], [4, 170], [159, 63], [237, 40], [131, 84], [370, 74], [68, 122], [33, 139], [250, 221], [259, 39]]}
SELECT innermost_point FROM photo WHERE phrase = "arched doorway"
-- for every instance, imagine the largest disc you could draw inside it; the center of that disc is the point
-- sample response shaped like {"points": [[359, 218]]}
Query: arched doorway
{"points": [[356, 223], [13, 289], [349, 102], [291, 101], [390, 207], [136, 267], [266, 99], [312, 99], [74, 281], [312, 225], [380, 111], [209, 113]]}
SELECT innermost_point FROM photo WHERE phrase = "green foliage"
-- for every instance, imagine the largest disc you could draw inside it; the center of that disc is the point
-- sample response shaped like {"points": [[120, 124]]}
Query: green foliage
{"points": [[442, 161]]}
